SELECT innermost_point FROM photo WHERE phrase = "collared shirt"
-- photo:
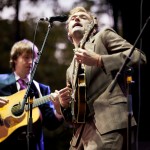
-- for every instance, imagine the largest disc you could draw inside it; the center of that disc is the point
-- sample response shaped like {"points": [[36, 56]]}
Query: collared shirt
{"points": [[27, 80], [17, 78]]}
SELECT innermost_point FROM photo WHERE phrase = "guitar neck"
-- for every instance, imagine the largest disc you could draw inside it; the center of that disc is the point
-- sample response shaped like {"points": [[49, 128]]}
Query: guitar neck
{"points": [[36, 102], [39, 101]]}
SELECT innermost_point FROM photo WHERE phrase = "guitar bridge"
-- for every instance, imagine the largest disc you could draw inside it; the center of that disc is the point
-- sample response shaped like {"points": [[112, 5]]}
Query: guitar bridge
{"points": [[1, 121]]}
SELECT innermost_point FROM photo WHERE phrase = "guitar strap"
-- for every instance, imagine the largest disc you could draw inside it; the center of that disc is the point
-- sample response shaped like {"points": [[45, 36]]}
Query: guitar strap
{"points": [[77, 135]]}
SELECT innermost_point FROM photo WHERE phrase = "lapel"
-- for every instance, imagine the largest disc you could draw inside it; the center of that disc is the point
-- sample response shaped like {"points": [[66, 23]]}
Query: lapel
{"points": [[34, 89], [74, 70], [12, 83], [90, 46]]}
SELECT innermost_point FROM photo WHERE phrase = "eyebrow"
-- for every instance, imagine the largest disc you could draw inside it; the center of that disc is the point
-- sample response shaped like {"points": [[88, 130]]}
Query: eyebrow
{"points": [[80, 15]]}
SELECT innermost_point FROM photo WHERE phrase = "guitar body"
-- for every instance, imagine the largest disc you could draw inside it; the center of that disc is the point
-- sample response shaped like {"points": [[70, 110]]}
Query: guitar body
{"points": [[8, 122], [80, 96]]}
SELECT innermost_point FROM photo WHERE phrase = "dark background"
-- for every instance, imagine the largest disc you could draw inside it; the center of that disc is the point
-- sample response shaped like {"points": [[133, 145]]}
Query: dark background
{"points": [[129, 18]]}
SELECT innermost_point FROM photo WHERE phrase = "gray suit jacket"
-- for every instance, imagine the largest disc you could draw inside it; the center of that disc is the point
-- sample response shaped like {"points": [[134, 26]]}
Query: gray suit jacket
{"points": [[109, 108]]}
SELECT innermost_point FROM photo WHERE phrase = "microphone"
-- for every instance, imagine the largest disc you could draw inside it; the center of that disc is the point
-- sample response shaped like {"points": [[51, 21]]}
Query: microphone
{"points": [[61, 18]]}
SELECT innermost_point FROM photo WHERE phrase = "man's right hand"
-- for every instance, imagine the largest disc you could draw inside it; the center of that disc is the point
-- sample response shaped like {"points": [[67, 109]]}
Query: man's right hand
{"points": [[65, 96]]}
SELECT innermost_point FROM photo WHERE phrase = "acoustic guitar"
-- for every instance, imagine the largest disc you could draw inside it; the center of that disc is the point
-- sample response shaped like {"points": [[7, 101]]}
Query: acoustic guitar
{"points": [[10, 122]]}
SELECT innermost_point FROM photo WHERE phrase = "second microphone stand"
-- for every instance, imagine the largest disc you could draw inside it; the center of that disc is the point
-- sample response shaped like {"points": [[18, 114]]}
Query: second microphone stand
{"points": [[30, 93], [129, 82]]}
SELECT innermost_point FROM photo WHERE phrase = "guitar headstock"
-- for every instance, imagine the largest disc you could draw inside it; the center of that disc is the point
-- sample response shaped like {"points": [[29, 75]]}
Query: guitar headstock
{"points": [[88, 30]]}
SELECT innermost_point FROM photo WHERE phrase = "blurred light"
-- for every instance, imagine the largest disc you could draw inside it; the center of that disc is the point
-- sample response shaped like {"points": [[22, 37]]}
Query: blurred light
{"points": [[8, 13]]}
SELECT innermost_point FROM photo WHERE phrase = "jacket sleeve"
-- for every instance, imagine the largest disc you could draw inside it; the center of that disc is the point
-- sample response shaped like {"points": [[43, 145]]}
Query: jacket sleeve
{"points": [[118, 50], [49, 119]]}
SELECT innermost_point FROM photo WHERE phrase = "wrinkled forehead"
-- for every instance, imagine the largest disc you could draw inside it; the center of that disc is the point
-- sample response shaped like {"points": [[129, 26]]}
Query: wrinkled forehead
{"points": [[80, 14]]}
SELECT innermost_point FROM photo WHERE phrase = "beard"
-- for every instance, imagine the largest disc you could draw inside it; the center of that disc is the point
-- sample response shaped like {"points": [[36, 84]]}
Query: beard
{"points": [[78, 33]]}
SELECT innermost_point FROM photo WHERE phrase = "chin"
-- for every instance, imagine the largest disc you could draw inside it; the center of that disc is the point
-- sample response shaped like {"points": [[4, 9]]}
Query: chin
{"points": [[78, 32]]}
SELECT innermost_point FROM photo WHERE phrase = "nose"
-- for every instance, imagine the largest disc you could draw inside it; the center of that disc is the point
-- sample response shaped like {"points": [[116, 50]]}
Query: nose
{"points": [[30, 61], [77, 18]]}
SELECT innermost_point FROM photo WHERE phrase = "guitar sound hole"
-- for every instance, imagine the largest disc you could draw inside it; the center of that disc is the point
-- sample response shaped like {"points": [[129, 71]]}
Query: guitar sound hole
{"points": [[16, 110]]}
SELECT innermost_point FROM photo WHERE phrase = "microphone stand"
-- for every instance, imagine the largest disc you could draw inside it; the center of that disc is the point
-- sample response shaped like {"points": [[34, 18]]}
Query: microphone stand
{"points": [[130, 111], [21, 110], [129, 96], [30, 134]]}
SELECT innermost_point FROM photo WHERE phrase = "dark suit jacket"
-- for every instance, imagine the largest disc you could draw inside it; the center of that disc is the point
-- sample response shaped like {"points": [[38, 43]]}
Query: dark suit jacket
{"points": [[108, 108], [45, 117]]}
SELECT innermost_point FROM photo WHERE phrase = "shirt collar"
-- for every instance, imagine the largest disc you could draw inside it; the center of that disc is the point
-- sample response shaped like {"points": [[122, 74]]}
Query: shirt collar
{"points": [[25, 79]]}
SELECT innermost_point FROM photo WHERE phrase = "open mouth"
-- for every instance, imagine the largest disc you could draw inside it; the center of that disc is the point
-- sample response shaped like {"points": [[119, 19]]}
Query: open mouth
{"points": [[77, 24]]}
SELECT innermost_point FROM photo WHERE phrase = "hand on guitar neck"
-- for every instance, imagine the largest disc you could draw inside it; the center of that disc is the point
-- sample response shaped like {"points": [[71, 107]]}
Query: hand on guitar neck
{"points": [[88, 57]]}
